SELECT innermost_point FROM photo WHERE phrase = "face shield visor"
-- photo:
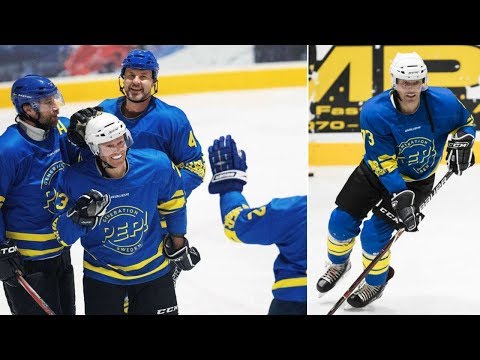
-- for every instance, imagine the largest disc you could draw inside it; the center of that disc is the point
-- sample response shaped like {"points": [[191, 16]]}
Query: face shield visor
{"points": [[46, 104]]}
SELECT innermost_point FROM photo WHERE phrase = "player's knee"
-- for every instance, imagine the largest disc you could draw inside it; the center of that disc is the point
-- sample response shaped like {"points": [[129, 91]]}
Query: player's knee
{"points": [[342, 225], [374, 236]]}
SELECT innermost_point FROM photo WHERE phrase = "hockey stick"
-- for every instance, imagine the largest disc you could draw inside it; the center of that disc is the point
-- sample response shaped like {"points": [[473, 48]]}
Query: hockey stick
{"points": [[34, 294], [387, 246]]}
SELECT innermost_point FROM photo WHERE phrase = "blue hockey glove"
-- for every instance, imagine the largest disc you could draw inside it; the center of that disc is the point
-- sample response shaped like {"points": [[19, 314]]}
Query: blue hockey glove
{"points": [[78, 124], [460, 152], [228, 166]]}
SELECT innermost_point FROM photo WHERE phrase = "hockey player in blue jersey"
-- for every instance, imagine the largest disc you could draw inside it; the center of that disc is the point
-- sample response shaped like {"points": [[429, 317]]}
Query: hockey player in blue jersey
{"points": [[282, 222], [152, 122], [113, 203], [405, 130], [34, 152]]}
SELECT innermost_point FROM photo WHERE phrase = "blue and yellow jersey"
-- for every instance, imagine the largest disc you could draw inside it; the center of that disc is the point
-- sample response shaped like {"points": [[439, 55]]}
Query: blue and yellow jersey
{"points": [[30, 171], [166, 128], [127, 246], [401, 148], [282, 222]]}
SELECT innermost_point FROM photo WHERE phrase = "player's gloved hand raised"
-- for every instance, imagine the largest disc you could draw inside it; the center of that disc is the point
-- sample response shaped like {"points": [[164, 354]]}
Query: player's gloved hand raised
{"points": [[10, 262], [460, 154], [402, 203], [89, 208], [184, 258], [228, 166], [78, 124]]}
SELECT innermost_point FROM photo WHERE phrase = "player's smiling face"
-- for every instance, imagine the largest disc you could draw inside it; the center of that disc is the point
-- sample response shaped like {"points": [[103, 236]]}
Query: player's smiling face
{"points": [[114, 151], [138, 84]]}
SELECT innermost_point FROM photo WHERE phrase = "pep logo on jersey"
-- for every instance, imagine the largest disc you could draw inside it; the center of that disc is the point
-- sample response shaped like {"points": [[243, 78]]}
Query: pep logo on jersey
{"points": [[417, 154], [123, 228]]}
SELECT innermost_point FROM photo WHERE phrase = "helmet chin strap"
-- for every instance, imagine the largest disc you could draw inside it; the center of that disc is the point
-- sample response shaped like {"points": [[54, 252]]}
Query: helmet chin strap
{"points": [[122, 90], [105, 164], [397, 95], [36, 122], [396, 99]]}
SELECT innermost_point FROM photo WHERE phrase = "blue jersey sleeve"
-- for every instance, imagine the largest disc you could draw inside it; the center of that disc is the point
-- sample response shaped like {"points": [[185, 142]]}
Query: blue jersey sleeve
{"points": [[245, 224], [282, 222], [465, 119], [171, 202], [380, 154], [7, 169], [66, 231], [71, 153], [187, 153]]}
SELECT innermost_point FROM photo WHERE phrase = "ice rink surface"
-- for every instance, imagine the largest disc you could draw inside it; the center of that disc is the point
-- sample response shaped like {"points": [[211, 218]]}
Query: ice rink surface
{"points": [[270, 126], [436, 268]]}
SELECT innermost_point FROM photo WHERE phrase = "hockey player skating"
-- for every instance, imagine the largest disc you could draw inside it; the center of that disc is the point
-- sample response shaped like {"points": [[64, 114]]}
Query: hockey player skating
{"points": [[114, 203], [34, 152], [282, 222], [405, 130], [152, 122]]}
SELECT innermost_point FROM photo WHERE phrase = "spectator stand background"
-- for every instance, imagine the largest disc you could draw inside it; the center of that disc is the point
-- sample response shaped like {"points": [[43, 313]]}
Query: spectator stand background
{"points": [[72, 60], [89, 72]]}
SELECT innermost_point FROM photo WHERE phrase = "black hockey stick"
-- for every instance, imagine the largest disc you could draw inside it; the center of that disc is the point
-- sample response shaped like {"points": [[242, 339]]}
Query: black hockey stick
{"points": [[387, 246], [34, 294]]}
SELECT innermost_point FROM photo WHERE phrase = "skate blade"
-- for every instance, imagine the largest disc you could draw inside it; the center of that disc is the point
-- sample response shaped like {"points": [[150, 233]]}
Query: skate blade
{"points": [[320, 294]]}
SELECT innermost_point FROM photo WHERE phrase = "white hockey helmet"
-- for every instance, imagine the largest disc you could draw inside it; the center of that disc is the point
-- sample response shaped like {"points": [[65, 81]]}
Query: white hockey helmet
{"points": [[103, 128], [408, 66]]}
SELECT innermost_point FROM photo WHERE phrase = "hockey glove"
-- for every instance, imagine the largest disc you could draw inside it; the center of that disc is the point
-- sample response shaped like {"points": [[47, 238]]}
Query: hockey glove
{"points": [[402, 203], [185, 258], [10, 262], [78, 124], [89, 209], [228, 166], [460, 153]]}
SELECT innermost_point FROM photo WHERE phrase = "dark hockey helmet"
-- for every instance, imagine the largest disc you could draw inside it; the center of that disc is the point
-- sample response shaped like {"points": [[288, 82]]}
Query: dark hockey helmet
{"points": [[32, 88], [140, 59]]}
